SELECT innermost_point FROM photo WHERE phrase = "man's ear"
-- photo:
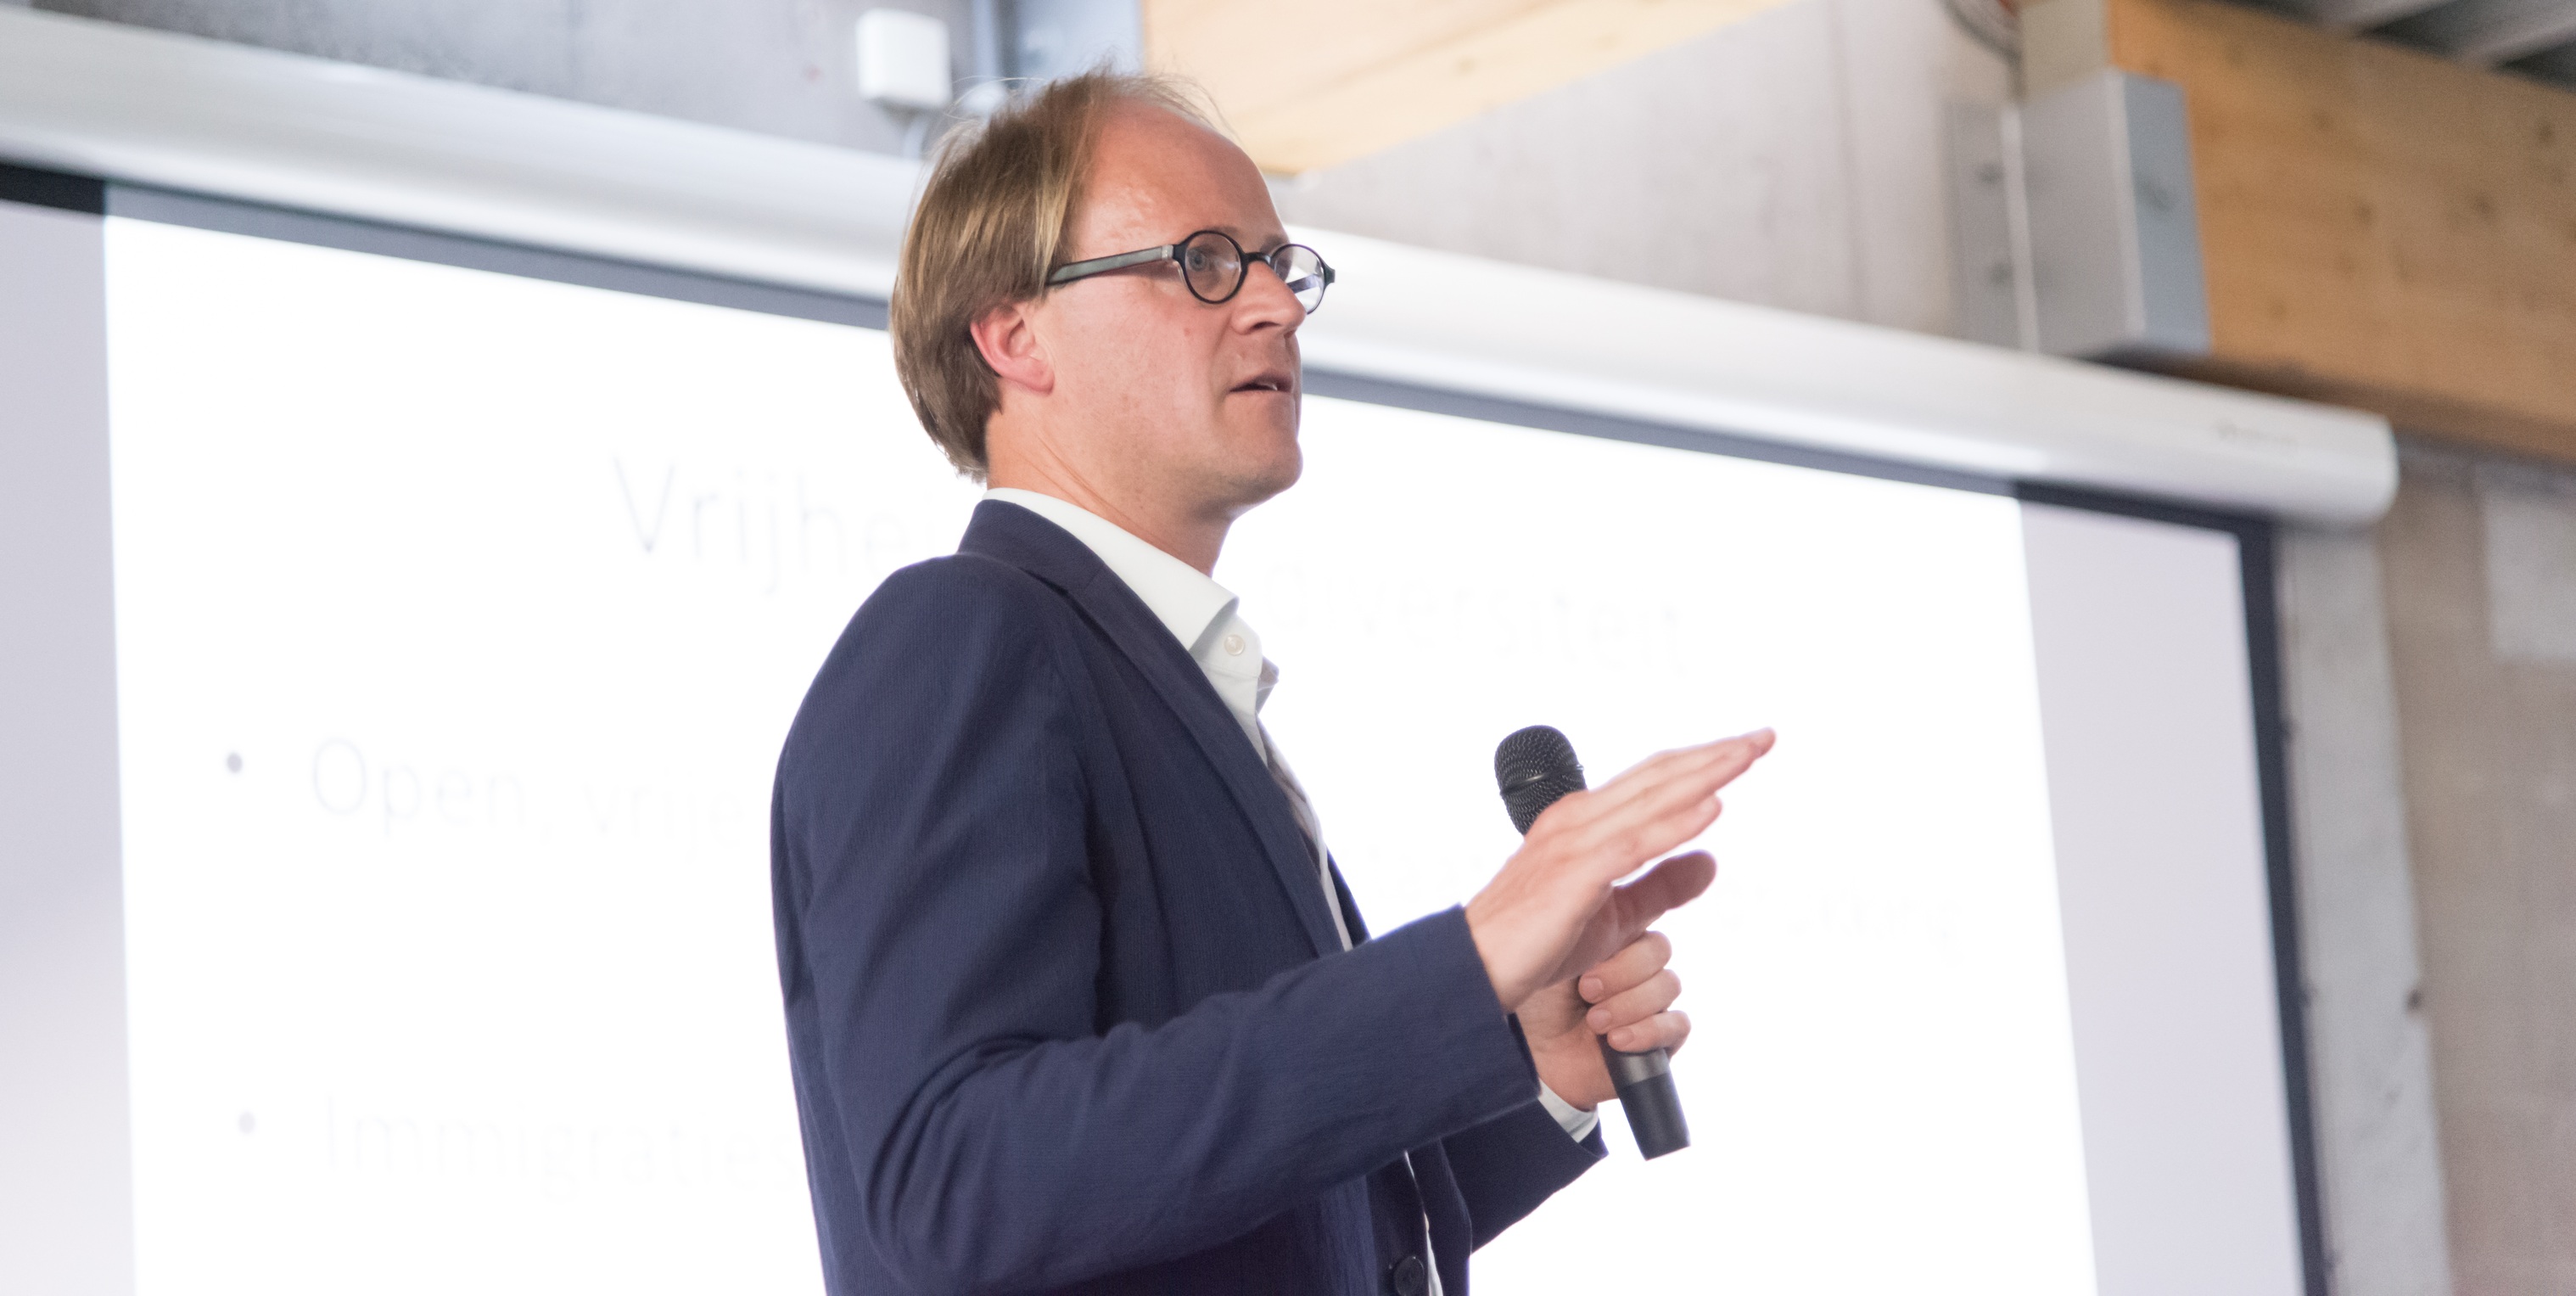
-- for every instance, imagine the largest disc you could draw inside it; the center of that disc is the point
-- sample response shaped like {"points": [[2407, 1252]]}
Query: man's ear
{"points": [[1009, 343]]}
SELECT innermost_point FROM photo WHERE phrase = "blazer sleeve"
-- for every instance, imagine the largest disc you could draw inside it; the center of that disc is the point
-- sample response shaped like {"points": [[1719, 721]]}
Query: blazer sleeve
{"points": [[1508, 1165], [939, 945]]}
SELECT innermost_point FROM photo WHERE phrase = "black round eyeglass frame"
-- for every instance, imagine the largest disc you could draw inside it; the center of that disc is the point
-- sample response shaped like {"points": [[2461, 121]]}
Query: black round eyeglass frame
{"points": [[1306, 282]]}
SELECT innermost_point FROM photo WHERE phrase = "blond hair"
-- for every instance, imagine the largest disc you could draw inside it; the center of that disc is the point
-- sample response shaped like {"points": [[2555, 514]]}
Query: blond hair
{"points": [[993, 222]]}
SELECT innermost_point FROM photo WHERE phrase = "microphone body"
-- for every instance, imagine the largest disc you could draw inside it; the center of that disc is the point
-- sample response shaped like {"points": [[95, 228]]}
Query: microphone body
{"points": [[1536, 768]]}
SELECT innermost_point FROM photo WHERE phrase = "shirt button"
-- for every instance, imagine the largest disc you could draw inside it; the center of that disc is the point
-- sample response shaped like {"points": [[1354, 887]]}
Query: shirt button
{"points": [[1234, 645], [1408, 1277]]}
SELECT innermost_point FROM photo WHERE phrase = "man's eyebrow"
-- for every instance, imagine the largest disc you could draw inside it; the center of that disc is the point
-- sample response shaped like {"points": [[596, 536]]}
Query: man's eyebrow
{"points": [[1243, 235]]}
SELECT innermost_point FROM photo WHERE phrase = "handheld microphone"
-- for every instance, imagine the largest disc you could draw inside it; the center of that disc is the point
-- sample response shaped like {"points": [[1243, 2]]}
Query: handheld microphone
{"points": [[1536, 768]]}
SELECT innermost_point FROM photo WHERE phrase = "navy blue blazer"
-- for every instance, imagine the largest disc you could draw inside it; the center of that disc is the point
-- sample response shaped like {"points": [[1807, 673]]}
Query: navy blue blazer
{"points": [[1065, 1005]]}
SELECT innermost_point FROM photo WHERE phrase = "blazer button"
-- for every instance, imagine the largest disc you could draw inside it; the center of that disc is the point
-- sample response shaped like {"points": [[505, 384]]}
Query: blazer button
{"points": [[1407, 1277]]}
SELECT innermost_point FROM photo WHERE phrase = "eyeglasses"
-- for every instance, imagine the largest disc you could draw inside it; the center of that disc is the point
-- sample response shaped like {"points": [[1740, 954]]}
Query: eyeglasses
{"points": [[1214, 267]]}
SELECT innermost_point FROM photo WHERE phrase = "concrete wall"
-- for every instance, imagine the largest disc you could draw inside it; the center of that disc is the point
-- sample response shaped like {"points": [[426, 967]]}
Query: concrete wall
{"points": [[2480, 559], [2370, 1073], [781, 67], [1793, 160]]}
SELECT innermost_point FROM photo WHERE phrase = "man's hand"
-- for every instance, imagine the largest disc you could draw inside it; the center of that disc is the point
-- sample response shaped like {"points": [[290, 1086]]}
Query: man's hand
{"points": [[1556, 909], [1628, 997]]}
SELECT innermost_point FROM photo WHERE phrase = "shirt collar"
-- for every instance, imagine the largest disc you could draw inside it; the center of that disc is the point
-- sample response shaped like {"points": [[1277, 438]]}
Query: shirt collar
{"points": [[1182, 597]]}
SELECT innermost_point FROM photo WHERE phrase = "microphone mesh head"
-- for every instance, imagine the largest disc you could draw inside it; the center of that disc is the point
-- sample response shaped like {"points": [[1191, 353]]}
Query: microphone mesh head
{"points": [[1536, 768]]}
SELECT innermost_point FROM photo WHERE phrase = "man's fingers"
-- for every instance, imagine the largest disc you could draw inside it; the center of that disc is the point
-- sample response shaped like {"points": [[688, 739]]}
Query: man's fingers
{"points": [[1715, 764], [1635, 961], [1662, 803], [1664, 1030], [1672, 774], [1636, 1003], [1664, 888], [1622, 853], [1634, 907], [1543, 917], [1710, 765], [1645, 824]]}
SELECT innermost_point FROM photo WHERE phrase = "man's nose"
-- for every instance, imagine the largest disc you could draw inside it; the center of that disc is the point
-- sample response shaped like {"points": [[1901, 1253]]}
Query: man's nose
{"points": [[1267, 293]]}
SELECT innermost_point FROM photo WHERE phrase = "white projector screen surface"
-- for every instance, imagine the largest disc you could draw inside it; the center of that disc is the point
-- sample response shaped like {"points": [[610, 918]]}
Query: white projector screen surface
{"points": [[460, 617]]}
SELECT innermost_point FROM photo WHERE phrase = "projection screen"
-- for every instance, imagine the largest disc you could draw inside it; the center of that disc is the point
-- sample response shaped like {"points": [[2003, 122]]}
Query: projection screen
{"points": [[458, 616]]}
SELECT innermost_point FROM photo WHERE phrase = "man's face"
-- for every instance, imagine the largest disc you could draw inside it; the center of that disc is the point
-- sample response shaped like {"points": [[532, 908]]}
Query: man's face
{"points": [[1194, 402]]}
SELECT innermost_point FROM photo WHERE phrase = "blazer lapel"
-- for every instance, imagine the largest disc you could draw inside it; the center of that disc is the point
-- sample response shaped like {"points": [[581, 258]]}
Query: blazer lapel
{"points": [[1008, 533]]}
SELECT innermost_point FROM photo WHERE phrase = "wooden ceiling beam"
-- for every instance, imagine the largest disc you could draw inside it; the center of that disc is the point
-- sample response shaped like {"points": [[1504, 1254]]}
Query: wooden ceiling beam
{"points": [[1311, 85], [2379, 227]]}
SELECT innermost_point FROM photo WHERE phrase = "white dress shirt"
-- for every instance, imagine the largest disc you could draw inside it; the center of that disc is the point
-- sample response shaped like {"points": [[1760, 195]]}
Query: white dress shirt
{"points": [[1201, 614]]}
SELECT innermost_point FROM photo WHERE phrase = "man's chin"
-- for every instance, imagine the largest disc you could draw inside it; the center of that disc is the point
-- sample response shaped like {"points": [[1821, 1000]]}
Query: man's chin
{"points": [[1255, 489], [1265, 456], [1254, 483]]}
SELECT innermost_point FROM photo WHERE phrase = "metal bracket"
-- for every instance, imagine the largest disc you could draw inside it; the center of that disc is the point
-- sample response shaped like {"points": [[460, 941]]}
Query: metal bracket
{"points": [[2074, 224], [1057, 38]]}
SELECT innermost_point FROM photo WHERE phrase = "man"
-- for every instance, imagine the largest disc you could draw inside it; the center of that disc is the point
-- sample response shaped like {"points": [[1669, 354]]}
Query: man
{"points": [[1076, 999]]}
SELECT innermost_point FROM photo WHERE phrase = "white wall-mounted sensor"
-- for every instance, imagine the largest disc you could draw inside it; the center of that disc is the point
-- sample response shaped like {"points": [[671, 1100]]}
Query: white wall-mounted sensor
{"points": [[903, 60]]}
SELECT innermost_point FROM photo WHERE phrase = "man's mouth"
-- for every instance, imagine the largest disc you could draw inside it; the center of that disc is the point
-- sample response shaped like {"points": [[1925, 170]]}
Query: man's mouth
{"points": [[1269, 382]]}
